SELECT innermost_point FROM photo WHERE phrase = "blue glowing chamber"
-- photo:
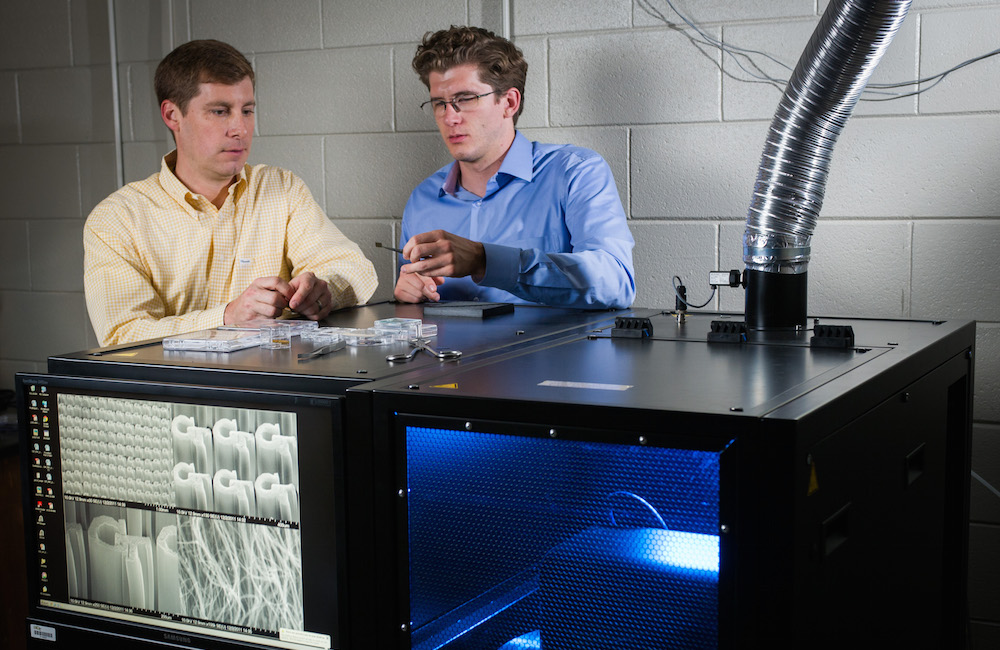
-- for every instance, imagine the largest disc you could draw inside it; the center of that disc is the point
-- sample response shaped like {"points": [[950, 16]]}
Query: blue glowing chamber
{"points": [[623, 537]]}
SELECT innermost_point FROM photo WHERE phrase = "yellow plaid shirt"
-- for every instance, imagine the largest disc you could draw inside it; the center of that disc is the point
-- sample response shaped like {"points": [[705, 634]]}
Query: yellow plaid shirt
{"points": [[160, 260]]}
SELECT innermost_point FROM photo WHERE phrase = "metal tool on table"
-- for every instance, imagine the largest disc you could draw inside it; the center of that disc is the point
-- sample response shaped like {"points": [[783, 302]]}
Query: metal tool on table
{"points": [[423, 344], [322, 350]]}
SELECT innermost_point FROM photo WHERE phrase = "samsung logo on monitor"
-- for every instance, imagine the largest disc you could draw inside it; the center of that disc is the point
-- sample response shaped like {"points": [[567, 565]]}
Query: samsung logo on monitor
{"points": [[176, 638]]}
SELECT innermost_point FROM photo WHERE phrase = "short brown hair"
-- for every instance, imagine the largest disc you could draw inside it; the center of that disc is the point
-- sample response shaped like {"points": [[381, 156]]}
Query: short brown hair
{"points": [[501, 64], [196, 62]]}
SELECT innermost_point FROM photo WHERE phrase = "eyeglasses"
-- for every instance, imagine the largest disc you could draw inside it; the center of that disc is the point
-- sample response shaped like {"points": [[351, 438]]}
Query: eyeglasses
{"points": [[438, 107]]}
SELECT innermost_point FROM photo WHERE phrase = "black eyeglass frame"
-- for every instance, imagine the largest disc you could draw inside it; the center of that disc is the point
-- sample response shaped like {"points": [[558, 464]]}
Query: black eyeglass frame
{"points": [[443, 103]]}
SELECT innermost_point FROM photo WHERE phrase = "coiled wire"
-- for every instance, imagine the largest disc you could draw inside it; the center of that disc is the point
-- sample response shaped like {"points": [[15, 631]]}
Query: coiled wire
{"points": [[827, 82]]}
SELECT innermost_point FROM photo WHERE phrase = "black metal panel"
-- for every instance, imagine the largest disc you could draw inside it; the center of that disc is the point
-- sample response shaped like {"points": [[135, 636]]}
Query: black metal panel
{"points": [[845, 502]]}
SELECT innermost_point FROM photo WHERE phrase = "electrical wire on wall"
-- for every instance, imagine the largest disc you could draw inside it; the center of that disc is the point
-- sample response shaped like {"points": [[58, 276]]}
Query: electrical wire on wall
{"points": [[746, 60]]}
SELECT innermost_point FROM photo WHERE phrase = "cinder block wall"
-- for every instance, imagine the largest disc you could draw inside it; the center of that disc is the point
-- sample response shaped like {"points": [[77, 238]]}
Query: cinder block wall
{"points": [[910, 225]]}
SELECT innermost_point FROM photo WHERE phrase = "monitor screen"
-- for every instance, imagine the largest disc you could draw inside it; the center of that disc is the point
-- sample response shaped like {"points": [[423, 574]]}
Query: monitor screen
{"points": [[195, 516]]}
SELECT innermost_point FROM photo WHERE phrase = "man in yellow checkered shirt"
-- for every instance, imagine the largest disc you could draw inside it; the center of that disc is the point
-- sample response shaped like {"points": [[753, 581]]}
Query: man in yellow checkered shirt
{"points": [[210, 240]]}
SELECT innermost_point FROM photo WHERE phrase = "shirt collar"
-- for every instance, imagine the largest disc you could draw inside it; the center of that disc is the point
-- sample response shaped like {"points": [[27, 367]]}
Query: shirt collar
{"points": [[180, 192], [518, 163]]}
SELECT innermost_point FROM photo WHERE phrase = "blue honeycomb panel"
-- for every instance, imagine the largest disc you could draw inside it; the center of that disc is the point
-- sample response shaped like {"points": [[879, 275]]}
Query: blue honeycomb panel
{"points": [[576, 544]]}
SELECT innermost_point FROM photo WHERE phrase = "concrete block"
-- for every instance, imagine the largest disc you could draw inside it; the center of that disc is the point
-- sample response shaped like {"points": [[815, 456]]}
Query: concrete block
{"points": [[571, 16], [57, 324], [536, 86], [56, 253], [984, 492], [24, 165], [372, 175], [743, 100], [695, 170], [857, 270], [98, 175], [364, 233], [373, 22], [665, 249], [259, 25], [953, 263], [409, 93], [10, 129], [609, 79], [948, 38], [487, 14], [46, 44], [711, 11], [140, 111], [334, 91], [923, 5], [143, 30], [52, 110], [984, 572], [611, 142], [14, 253], [141, 159], [89, 26], [987, 401], [301, 154], [924, 167]]}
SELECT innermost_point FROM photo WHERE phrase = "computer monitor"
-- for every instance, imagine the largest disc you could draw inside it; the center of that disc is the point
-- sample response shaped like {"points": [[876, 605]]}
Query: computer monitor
{"points": [[189, 516]]}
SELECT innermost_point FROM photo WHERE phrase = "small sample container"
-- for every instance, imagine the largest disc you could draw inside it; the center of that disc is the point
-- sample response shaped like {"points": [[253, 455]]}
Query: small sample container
{"points": [[323, 335], [276, 336], [363, 337], [401, 329]]}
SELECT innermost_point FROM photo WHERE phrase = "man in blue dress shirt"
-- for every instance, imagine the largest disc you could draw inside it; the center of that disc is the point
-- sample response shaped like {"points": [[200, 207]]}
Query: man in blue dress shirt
{"points": [[510, 220]]}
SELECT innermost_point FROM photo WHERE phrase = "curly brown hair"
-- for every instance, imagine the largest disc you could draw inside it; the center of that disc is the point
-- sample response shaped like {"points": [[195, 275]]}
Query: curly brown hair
{"points": [[196, 62], [501, 64]]}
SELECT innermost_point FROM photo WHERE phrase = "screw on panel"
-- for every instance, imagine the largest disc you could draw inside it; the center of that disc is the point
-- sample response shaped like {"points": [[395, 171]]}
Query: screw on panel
{"points": [[401, 493], [468, 426], [642, 440], [809, 459], [361, 371], [736, 409], [552, 433], [724, 528], [414, 386], [404, 627], [519, 332], [906, 397]]}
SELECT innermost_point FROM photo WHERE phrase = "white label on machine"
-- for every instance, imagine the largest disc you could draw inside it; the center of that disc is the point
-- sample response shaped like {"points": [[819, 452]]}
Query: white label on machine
{"points": [[584, 384], [43, 632]]}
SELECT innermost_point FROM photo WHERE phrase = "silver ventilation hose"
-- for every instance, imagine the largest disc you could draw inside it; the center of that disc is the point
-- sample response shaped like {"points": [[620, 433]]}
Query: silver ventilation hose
{"points": [[848, 43]]}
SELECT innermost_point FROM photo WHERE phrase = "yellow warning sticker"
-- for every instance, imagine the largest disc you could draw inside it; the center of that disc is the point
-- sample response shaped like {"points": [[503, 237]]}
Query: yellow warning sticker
{"points": [[452, 386], [813, 482]]}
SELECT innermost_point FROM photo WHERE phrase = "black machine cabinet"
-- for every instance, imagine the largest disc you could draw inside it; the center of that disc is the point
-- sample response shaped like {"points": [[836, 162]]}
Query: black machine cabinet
{"points": [[573, 482], [670, 492]]}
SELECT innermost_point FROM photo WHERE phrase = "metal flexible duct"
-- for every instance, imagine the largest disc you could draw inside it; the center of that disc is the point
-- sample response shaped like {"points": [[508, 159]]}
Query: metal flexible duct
{"points": [[848, 43]]}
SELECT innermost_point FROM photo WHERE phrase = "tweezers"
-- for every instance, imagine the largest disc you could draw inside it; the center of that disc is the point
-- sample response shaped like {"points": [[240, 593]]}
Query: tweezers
{"points": [[326, 349]]}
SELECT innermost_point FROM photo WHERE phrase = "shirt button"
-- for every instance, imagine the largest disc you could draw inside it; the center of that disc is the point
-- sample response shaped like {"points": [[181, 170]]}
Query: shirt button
{"points": [[478, 203]]}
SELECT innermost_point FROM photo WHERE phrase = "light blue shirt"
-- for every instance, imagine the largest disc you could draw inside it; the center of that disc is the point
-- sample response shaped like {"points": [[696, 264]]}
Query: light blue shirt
{"points": [[551, 222]]}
